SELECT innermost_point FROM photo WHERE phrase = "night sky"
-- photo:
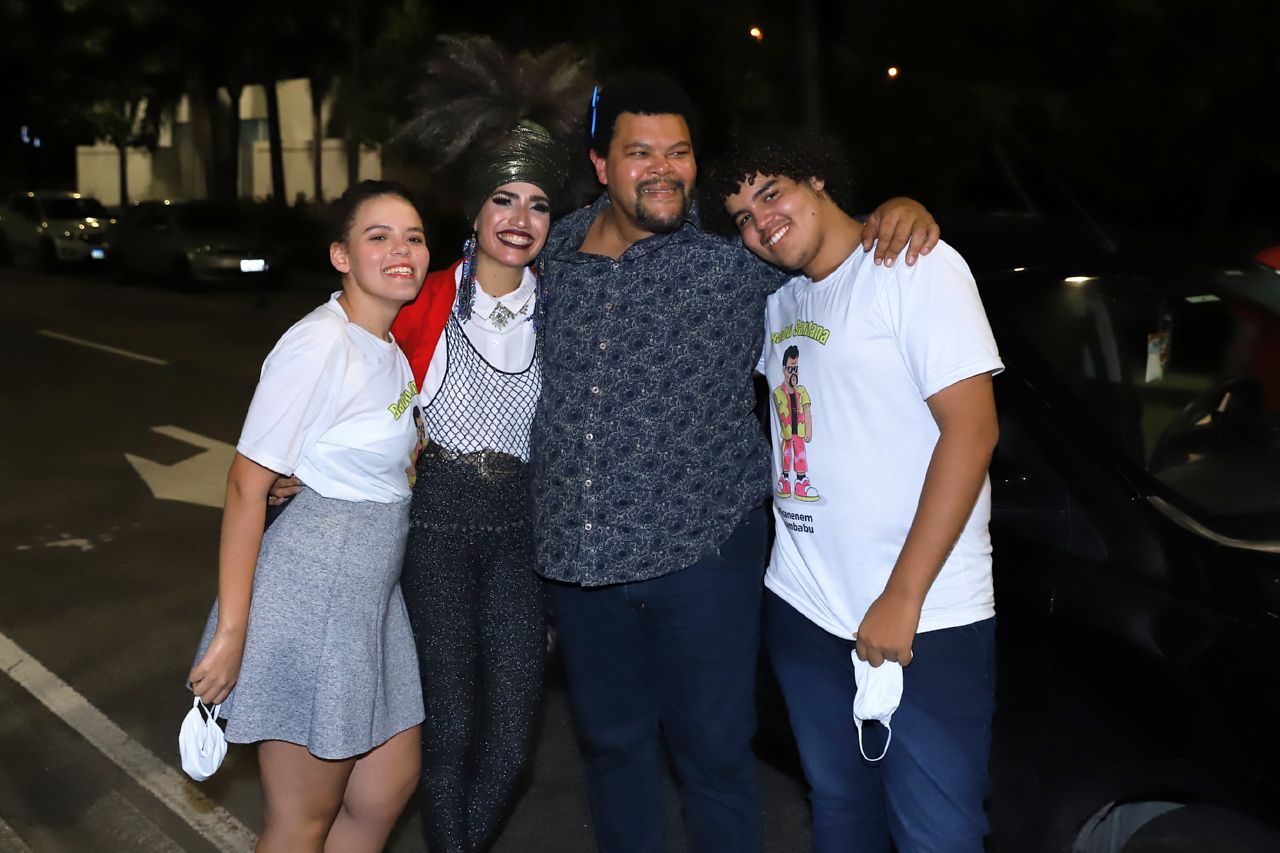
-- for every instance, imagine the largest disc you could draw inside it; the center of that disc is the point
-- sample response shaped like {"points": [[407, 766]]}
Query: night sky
{"points": [[1161, 115]]}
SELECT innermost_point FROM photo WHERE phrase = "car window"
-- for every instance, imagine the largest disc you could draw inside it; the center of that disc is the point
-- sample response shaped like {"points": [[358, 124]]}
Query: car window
{"points": [[1182, 376], [73, 208]]}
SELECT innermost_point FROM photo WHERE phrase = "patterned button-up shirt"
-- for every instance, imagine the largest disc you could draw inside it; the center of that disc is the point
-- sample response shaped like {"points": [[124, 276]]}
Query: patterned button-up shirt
{"points": [[647, 450]]}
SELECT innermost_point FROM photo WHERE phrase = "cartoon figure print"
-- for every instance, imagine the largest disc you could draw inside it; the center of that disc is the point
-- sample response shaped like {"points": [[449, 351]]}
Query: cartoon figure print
{"points": [[412, 470], [795, 428]]}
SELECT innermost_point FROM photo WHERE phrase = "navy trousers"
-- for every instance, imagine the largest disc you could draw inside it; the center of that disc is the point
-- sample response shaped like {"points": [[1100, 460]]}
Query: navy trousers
{"points": [[927, 792], [671, 659]]}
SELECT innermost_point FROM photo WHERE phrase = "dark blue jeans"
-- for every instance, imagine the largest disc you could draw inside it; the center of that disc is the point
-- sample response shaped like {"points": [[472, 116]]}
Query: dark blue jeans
{"points": [[674, 658], [927, 792]]}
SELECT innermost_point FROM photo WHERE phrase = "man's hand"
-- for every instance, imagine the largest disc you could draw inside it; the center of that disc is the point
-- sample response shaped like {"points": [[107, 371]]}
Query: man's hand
{"points": [[282, 489], [894, 224], [888, 629]]}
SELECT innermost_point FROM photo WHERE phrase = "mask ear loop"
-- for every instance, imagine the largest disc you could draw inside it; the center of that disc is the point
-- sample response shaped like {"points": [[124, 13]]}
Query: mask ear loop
{"points": [[210, 719], [887, 741], [858, 722]]}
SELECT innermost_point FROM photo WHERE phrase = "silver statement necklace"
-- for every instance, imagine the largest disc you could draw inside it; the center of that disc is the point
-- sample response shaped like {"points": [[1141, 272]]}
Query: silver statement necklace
{"points": [[501, 316]]}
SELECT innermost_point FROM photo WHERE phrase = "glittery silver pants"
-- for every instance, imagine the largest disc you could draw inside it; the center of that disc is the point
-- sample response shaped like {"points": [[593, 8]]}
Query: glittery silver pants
{"points": [[476, 608]]}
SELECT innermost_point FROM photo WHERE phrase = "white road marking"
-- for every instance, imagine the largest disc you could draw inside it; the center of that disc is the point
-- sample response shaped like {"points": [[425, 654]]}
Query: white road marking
{"points": [[202, 479], [217, 825], [93, 345], [82, 544], [9, 840]]}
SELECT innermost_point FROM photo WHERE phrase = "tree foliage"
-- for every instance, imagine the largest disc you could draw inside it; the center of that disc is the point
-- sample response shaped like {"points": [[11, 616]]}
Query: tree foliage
{"points": [[115, 67]]}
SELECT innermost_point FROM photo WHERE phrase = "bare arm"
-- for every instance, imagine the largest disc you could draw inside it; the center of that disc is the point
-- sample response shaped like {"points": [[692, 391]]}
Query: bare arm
{"points": [[242, 520], [966, 416], [895, 223]]}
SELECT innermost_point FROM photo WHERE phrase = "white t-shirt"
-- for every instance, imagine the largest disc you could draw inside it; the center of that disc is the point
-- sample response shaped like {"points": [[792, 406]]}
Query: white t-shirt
{"points": [[508, 348], [871, 344], [334, 408]]}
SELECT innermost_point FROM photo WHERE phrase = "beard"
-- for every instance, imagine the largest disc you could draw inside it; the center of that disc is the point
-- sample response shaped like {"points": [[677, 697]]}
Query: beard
{"points": [[657, 223]]}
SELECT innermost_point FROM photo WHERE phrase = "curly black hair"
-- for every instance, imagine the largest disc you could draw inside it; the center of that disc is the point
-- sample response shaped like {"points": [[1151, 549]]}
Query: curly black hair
{"points": [[789, 152]]}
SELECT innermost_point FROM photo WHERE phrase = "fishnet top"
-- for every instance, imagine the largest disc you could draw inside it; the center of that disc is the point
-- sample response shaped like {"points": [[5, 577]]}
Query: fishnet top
{"points": [[480, 407]]}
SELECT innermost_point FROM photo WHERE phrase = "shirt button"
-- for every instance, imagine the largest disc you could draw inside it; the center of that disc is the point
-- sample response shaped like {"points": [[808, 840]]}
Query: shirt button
{"points": [[586, 483], [590, 436], [586, 526], [608, 306], [595, 389], [604, 345]]}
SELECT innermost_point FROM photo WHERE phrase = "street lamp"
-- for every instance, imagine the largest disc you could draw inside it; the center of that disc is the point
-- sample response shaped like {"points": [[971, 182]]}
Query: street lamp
{"points": [[756, 33], [892, 72]]}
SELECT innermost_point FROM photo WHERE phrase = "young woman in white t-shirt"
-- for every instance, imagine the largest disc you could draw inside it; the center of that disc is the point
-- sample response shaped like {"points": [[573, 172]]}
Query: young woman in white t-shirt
{"points": [[309, 648], [471, 336]]}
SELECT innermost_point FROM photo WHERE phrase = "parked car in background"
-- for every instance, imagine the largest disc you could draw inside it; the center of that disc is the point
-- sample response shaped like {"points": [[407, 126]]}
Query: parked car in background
{"points": [[53, 227], [1136, 532], [194, 241], [1136, 521]]}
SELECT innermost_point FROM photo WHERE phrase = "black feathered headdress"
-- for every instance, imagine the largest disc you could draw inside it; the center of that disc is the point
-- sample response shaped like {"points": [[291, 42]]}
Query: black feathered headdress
{"points": [[507, 117]]}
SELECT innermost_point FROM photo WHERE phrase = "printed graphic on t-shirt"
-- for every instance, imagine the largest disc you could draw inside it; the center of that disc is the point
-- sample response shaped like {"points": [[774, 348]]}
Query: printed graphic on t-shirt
{"points": [[397, 409], [418, 446], [803, 329], [793, 406], [400, 406]]}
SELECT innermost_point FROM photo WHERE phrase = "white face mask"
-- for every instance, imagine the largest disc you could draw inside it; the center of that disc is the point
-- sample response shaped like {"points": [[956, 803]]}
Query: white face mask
{"points": [[879, 694], [201, 741]]}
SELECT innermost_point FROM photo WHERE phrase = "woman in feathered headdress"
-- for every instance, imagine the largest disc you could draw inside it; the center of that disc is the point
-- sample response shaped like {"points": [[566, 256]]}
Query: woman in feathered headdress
{"points": [[474, 600]]}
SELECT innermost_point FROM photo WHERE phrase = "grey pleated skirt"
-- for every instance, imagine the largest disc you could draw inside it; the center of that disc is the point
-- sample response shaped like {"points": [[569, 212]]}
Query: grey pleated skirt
{"points": [[329, 660]]}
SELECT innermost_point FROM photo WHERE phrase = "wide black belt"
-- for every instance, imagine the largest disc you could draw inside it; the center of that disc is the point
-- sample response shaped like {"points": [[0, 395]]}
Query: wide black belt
{"points": [[489, 464]]}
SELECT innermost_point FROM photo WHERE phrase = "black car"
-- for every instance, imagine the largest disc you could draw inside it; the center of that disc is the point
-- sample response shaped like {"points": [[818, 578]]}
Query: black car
{"points": [[194, 241], [1136, 528]]}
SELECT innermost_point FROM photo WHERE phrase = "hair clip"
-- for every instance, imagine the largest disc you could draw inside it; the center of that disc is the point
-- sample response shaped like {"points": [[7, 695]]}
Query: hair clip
{"points": [[595, 99]]}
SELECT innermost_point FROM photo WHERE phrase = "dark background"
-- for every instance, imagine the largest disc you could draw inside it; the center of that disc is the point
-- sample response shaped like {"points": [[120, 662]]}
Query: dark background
{"points": [[1157, 113]]}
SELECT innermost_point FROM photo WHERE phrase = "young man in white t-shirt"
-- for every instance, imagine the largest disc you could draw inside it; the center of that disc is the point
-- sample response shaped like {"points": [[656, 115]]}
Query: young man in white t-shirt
{"points": [[892, 562]]}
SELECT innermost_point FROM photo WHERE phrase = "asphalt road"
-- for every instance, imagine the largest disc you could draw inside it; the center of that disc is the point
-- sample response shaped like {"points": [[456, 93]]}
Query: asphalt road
{"points": [[111, 391]]}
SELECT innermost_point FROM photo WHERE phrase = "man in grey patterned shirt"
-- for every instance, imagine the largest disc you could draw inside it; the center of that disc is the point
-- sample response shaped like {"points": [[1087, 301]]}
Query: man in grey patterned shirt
{"points": [[650, 472]]}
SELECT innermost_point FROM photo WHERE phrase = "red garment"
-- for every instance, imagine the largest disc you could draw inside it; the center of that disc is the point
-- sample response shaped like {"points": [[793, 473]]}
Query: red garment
{"points": [[418, 326], [1270, 257]]}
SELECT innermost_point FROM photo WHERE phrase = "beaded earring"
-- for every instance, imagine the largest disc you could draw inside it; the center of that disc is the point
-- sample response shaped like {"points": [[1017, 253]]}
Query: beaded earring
{"points": [[466, 301], [540, 293]]}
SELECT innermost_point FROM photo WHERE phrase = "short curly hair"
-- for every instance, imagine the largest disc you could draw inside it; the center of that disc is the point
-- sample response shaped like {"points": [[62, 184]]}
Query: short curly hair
{"points": [[788, 152], [642, 94]]}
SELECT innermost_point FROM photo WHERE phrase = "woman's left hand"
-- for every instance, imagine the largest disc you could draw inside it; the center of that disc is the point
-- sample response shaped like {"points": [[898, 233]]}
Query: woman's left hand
{"points": [[897, 224]]}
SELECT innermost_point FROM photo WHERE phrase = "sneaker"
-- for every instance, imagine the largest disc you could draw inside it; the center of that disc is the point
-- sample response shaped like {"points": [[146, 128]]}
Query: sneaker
{"points": [[805, 491], [784, 487]]}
